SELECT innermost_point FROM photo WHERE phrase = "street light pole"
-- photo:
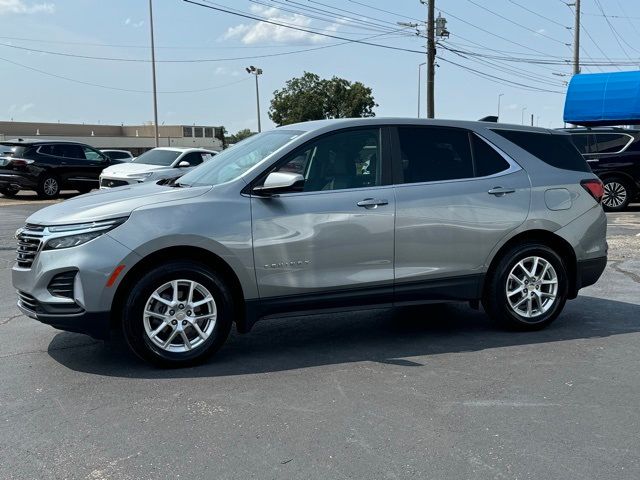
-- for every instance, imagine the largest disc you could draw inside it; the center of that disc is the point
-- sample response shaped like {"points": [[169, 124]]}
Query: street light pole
{"points": [[256, 71], [522, 115], [431, 57], [153, 73], [419, 85], [499, 96]]}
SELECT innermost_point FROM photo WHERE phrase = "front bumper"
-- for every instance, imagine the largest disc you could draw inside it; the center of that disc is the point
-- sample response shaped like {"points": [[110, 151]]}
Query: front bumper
{"points": [[113, 182], [84, 310], [94, 324]]}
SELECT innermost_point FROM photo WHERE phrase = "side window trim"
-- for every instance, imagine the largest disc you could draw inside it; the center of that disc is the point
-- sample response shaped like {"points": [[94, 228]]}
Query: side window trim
{"points": [[595, 143]]}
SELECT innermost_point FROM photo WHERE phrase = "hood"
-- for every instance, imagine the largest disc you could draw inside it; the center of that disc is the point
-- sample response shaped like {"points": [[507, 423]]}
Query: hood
{"points": [[128, 168], [111, 203]]}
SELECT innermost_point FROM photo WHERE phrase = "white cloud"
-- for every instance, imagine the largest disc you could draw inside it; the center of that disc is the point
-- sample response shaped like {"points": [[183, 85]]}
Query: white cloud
{"points": [[512, 106], [226, 71], [26, 107], [128, 21], [540, 31], [20, 6], [265, 32]]}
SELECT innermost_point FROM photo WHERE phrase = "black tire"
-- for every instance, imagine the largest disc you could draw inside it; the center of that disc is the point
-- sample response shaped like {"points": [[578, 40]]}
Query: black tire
{"points": [[133, 323], [48, 186], [84, 190], [9, 192], [618, 192], [495, 300]]}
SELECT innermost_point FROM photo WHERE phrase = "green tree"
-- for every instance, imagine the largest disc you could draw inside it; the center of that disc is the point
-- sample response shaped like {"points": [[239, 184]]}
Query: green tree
{"points": [[311, 98], [241, 135]]}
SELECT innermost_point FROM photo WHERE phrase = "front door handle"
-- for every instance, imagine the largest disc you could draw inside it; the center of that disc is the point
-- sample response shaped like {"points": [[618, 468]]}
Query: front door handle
{"points": [[499, 191], [372, 202]]}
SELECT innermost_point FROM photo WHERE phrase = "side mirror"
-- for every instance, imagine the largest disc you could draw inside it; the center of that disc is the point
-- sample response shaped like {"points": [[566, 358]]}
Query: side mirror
{"points": [[277, 182], [184, 164]]}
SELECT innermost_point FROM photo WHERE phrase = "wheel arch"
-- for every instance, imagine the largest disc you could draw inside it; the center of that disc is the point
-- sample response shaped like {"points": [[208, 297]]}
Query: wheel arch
{"points": [[181, 252], [545, 237]]}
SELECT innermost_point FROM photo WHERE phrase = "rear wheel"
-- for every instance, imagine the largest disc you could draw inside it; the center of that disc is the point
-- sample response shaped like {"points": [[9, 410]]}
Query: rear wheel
{"points": [[528, 289], [48, 187], [9, 191], [617, 194], [178, 314]]}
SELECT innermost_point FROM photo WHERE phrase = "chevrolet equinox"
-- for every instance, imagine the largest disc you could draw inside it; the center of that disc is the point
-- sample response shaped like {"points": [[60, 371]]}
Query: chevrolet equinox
{"points": [[322, 215]]}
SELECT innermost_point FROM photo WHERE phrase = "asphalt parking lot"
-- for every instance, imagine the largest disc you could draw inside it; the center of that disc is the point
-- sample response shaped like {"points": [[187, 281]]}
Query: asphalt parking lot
{"points": [[433, 392]]}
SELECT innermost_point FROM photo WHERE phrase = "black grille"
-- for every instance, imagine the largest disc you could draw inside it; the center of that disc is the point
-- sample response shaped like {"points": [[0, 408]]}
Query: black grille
{"points": [[28, 302], [107, 182], [29, 242], [61, 285]]}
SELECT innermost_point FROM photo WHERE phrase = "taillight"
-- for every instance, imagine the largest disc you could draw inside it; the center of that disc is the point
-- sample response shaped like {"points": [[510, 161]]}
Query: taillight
{"points": [[20, 162], [594, 187]]}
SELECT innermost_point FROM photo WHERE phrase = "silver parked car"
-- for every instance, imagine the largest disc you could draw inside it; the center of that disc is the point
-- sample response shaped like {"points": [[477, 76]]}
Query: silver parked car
{"points": [[155, 164], [322, 215]]}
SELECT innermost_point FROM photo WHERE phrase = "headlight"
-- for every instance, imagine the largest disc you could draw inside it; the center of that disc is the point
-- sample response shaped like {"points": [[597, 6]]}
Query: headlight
{"points": [[79, 233], [140, 176]]}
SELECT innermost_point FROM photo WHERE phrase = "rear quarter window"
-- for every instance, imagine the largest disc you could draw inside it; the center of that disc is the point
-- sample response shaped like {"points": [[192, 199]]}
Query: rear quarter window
{"points": [[553, 149]]}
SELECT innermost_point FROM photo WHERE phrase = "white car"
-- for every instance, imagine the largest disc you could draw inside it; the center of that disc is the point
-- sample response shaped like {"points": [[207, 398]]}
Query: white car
{"points": [[123, 155], [156, 164]]}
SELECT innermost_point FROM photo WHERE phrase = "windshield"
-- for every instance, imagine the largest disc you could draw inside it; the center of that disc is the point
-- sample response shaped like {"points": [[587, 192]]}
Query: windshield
{"points": [[157, 157], [235, 161]]}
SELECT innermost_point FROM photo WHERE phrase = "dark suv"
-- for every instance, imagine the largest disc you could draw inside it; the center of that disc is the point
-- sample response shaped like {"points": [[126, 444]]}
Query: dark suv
{"points": [[48, 166], [614, 155]]}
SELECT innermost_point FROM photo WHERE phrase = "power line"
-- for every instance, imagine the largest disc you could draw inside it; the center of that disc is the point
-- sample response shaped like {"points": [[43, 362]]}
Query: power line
{"points": [[212, 6], [613, 30], [539, 15], [500, 80], [198, 60], [516, 23], [108, 87]]}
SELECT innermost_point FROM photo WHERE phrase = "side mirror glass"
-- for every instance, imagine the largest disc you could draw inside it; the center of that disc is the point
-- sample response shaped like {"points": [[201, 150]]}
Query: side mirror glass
{"points": [[277, 182], [184, 164]]}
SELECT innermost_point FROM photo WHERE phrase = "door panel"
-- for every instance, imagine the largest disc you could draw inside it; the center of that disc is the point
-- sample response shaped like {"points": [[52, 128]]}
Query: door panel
{"points": [[338, 232], [322, 241], [465, 196], [449, 228]]}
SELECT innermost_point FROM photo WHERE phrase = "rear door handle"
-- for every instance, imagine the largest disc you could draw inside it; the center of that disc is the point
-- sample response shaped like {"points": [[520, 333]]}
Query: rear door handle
{"points": [[372, 202], [499, 191]]}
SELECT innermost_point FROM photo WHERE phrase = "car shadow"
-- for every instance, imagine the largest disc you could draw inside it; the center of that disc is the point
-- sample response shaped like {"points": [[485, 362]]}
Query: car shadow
{"points": [[389, 336]]}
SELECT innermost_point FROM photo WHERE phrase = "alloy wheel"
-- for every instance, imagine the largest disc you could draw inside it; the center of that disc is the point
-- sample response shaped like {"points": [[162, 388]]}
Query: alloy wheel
{"points": [[615, 194], [180, 316], [50, 187], [532, 287]]}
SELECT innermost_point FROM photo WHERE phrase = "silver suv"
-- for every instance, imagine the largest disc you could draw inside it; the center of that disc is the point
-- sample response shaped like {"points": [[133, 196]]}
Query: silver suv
{"points": [[322, 215]]}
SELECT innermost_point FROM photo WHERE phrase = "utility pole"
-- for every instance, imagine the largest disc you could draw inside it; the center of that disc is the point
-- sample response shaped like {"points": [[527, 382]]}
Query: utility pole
{"points": [[499, 96], [431, 57], [153, 73], [576, 40]]}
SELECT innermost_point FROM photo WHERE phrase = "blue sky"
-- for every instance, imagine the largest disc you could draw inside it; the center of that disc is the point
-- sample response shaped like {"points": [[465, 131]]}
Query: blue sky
{"points": [[120, 29]]}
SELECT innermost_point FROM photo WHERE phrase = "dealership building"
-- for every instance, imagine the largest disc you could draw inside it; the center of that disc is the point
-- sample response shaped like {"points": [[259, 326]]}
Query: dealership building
{"points": [[135, 138]]}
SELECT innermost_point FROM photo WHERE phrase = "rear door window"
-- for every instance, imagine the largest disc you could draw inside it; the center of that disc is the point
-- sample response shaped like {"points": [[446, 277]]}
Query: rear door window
{"points": [[610, 142], [71, 151], [430, 154], [193, 158], [555, 149]]}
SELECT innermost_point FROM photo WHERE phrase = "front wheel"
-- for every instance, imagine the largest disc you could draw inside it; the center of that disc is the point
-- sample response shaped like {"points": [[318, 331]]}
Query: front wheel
{"points": [[177, 314], [528, 288]]}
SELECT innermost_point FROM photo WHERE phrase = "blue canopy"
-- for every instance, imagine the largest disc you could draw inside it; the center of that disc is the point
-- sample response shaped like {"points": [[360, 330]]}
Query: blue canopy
{"points": [[603, 99]]}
